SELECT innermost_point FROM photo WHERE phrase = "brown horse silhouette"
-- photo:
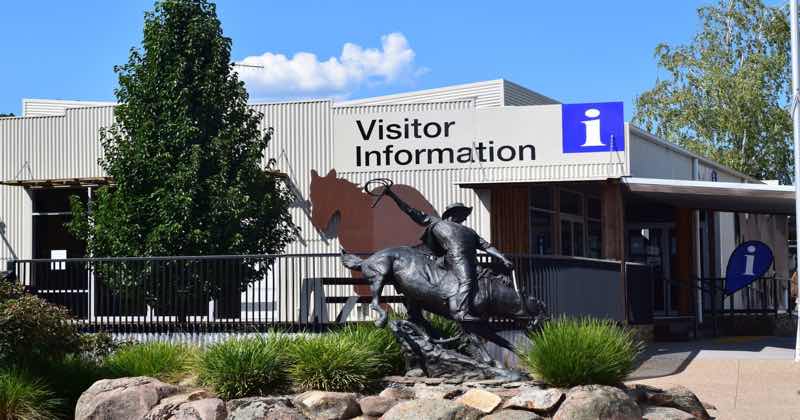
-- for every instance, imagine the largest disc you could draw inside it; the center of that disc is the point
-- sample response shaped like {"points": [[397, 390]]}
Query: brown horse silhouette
{"points": [[361, 228]]}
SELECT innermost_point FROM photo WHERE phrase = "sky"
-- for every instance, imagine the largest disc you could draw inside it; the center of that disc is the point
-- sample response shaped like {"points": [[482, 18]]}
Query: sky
{"points": [[576, 51]]}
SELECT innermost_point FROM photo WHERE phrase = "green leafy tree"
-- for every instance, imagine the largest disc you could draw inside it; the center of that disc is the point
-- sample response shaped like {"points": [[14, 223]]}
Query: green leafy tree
{"points": [[10, 114], [728, 92], [185, 154]]}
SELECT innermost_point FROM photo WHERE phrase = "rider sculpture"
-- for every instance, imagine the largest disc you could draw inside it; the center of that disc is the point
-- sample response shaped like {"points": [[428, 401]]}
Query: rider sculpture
{"points": [[455, 244]]}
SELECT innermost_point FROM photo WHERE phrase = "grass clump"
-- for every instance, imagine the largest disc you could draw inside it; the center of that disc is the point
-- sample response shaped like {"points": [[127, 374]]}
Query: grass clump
{"points": [[334, 362], [580, 351], [245, 367], [22, 398], [161, 360], [379, 341]]}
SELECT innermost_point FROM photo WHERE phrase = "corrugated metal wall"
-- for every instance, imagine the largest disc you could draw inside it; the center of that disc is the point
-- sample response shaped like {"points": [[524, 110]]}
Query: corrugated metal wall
{"points": [[516, 95], [52, 107], [38, 148], [485, 94]]}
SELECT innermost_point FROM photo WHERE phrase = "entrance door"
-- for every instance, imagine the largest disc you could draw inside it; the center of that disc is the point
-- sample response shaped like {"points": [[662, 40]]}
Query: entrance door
{"points": [[655, 245]]}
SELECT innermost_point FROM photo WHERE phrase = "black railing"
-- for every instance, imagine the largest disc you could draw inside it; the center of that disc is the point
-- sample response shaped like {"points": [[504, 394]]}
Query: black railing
{"points": [[259, 292]]}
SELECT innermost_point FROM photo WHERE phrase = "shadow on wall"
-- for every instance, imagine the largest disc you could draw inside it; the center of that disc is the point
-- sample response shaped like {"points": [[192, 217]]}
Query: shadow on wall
{"points": [[5, 241]]}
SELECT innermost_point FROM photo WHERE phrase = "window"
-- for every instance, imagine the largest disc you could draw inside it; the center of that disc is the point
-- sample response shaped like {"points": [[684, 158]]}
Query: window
{"points": [[571, 203], [594, 238], [542, 219]]}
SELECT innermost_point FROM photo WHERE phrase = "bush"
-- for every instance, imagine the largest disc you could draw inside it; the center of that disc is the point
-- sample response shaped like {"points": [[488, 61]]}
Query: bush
{"points": [[72, 375], [98, 346], [380, 341], [568, 352], [246, 367], [444, 326], [22, 398], [161, 360], [332, 362], [32, 330]]}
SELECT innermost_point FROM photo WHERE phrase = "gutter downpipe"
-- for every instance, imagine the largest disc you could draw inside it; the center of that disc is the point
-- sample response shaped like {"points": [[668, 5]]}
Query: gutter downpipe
{"points": [[796, 135]]}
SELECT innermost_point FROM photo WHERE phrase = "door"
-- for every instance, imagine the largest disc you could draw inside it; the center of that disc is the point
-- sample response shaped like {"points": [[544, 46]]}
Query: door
{"points": [[655, 245]]}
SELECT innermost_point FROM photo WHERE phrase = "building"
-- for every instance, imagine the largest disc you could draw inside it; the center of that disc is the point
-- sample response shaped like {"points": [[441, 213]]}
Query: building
{"points": [[542, 177]]}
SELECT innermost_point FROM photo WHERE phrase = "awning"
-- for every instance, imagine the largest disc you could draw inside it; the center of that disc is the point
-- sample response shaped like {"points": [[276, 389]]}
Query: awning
{"points": [[59, 182], [721, 196]]}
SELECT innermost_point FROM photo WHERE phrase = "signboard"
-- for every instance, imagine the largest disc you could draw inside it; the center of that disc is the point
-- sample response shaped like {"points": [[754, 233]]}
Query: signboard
{"points": [[747, 263], [494, 137]]}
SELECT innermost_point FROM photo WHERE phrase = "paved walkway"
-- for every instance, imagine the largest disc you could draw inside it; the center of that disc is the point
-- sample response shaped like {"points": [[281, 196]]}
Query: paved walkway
{"points": [[746, 378]]}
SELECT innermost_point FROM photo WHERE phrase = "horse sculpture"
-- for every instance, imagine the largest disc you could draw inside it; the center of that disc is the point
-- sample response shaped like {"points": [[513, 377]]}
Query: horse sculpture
{"points": [[426, 285]]}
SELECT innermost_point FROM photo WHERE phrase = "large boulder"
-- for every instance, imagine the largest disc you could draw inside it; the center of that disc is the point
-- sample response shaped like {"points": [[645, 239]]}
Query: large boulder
{"points": [[513, 415], [431, 409], [593, 402], [321, 405], [536, 399], [122, 399], [437, 392], [398, 393], [263, 408], [676, 396], [197, 405], [375, 405]]}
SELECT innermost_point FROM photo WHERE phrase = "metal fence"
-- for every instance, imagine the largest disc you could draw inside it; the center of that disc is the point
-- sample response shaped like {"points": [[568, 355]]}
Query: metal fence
{"points": [[254, 293]]}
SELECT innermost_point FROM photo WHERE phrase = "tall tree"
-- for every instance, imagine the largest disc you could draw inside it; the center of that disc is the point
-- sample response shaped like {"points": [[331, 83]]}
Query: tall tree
{"points": [[185, 152], [10, 114], [727, 93]]}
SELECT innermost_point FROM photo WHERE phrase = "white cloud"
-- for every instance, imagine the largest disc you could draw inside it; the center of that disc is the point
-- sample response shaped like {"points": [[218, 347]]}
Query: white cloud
{"points": [[305, 75]]}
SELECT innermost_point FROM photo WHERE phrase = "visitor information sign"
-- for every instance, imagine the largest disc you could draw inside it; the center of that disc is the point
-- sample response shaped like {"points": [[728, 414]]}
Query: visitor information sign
{"points": [[495, 137], [747, 263]]}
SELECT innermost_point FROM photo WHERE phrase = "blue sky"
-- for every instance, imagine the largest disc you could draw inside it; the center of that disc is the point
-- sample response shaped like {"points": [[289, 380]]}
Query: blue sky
{"points": [[576, 51]]}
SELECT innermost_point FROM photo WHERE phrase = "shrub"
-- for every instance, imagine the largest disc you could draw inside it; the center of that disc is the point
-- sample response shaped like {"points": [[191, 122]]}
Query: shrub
{"points": [[246, 367], [332, 362], [569, 351], [444, 326], [98, 346], [69, 377], [22, 398], [32, 330], [380, 341], [161, 360]]}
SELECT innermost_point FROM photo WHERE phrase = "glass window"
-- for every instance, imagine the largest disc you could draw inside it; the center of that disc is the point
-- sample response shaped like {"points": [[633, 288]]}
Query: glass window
{"points": [[542, 233], [593, 208], [571, 203], [541, 197], [577, 239], [594, 239], [566, 237]]}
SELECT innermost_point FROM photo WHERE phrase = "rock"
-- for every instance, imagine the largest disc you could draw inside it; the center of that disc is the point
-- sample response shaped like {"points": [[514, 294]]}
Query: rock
{"points": [[432, 381], [321, 405], [591, 402], [363, 417], [439, 392], [431, 410], [415, 373], [536, 399], [514, 384], [398, 393], [376, 405], [708, 406], [121, 399], [481, 400], [513, 415], [262, 408], [676, 396], [188, 407], [665, 413], [486, 383]]}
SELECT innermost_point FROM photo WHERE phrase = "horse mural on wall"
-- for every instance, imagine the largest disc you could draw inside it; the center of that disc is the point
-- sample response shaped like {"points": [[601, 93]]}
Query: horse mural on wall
{"points": [[342, 209]]}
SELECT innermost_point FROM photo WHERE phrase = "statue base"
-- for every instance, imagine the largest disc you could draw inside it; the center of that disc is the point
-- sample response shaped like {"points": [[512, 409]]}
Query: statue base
{"points": [[437, 361]]}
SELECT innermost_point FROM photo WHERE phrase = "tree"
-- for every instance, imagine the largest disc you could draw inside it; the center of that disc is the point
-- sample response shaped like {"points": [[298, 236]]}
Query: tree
{"points": [[10, 114], [728, 92], [185, 152]]}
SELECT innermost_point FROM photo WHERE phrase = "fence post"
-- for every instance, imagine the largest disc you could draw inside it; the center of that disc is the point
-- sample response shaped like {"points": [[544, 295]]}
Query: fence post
{"points": [[11, 270]]}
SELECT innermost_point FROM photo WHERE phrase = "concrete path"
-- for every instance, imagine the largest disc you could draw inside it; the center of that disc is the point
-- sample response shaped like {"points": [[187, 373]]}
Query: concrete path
{"points": [[746, 378]]}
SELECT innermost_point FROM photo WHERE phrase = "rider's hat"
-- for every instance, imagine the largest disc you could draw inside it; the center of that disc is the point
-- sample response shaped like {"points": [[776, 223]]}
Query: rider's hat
{"points": [[456, 208]]}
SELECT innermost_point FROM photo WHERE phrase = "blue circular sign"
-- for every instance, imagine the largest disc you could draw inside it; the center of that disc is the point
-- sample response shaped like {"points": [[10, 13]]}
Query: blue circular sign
{"points": [[747, 263]]}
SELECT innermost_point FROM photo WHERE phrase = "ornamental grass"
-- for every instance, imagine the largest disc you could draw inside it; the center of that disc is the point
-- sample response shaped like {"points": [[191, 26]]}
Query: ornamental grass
{"points": [[579, 351], [245, 367], [23, 398], [161, 360]]}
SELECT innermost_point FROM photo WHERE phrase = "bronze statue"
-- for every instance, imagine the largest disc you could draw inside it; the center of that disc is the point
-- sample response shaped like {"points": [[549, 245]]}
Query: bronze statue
{"points": [[443, 276]]}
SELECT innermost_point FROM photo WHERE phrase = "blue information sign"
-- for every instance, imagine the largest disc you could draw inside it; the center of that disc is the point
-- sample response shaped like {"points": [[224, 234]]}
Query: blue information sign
{"points": [[593, 127], [747, 263]]}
